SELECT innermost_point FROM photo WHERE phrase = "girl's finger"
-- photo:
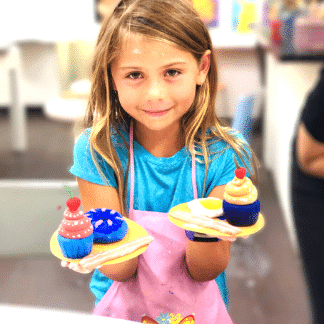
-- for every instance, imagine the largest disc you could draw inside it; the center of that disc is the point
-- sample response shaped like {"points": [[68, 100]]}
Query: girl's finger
{"points": [[83, 270], [73, 266], [77, 268], [64, 264]]}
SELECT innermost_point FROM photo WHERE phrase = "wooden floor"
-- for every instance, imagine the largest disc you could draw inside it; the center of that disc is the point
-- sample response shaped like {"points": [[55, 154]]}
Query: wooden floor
{"points": [[265, 277]]}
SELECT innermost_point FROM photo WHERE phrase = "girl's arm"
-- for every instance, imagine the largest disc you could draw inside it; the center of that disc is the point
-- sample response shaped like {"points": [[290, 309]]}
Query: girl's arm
{"points": [[97, 196], [310, 153], [205, 261]]}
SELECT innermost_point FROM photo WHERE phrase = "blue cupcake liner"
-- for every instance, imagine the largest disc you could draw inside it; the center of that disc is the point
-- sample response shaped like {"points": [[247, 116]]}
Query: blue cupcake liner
{"points": [[241, 215], [75, 248], [104, 231]]}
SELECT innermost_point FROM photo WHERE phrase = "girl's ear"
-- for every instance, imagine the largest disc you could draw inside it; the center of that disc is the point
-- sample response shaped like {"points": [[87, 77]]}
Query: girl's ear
{"points": [[204, 66]]}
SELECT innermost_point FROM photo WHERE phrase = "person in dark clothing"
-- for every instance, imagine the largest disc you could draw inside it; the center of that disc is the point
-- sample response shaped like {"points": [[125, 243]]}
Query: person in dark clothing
{"points": [[307, 188]]}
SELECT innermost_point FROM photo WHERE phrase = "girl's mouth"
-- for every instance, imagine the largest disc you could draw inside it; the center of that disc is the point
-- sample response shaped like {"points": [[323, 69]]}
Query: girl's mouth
{"points": [[154, 113]]}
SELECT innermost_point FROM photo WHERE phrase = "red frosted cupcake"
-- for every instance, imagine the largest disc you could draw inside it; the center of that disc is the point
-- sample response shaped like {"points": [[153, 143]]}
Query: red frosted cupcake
{"points": [[75, 234]]}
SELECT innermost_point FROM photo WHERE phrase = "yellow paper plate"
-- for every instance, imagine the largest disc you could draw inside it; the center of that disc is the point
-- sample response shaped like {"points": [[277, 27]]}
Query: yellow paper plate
{"points": [[199, 229], [134, 231]]}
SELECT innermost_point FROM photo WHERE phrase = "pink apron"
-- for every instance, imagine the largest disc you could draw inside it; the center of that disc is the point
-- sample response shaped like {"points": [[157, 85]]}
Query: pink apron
{"points": [[162, 288]]}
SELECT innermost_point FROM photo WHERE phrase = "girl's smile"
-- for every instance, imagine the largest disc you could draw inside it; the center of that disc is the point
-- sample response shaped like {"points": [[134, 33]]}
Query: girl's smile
{"points": [[157, 113]]}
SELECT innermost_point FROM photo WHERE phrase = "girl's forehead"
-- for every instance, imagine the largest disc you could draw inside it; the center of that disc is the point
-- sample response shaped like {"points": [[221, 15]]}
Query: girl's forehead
{"points": [[135, 42], [137, 46]]}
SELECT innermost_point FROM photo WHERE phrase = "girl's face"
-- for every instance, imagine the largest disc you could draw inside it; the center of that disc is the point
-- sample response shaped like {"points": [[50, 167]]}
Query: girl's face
{"points": [[156, 82]]}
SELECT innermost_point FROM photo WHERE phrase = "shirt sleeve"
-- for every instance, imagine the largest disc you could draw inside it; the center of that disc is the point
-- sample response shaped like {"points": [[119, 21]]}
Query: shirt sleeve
{"points": [[222, 165], [84, 166]]}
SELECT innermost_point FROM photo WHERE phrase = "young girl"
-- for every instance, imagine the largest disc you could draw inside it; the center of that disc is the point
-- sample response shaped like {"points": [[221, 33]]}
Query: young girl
{"points": [[153, 142]]}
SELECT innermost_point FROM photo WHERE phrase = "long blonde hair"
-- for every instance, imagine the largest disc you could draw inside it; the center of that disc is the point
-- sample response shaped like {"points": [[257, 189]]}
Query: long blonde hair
{"points": [[175, 22]]}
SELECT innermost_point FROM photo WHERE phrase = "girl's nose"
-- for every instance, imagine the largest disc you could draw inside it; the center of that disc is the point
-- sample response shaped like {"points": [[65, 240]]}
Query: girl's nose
{"points": [[156, 91]]}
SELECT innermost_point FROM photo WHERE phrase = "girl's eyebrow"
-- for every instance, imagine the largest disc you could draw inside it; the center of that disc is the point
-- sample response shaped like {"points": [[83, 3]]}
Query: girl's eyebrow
{"points": [[161, 68]]}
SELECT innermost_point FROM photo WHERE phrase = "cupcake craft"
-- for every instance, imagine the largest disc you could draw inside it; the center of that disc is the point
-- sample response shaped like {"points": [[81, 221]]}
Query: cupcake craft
{"points": [[102, 237], [75, 233], [241, 206], [108, 225]]}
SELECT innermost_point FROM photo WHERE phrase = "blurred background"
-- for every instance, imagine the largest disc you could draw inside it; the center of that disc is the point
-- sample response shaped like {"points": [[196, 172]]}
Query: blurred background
{"points": [[268, 60]]}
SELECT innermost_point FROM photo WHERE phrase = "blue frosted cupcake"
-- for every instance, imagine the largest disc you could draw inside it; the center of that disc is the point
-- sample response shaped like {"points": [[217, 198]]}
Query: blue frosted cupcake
{"points": [[241, 206], [108, 225], [241, 215]]}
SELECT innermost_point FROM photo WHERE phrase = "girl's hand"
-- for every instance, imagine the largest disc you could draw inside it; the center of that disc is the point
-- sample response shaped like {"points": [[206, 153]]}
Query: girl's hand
{"points": [[75, 267]]}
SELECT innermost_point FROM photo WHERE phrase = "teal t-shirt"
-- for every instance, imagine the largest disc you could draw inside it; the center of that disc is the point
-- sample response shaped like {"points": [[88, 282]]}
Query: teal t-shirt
{"points": [[160, 183]]}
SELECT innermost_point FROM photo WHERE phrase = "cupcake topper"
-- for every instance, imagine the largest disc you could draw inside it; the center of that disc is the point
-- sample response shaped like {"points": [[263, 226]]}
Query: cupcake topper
{"points": [[73, 202], [240, 172]]}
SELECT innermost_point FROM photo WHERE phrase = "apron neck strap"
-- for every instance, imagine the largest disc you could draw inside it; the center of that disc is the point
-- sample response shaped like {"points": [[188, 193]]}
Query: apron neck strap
{"points": [[193, 175], [132, 171]]}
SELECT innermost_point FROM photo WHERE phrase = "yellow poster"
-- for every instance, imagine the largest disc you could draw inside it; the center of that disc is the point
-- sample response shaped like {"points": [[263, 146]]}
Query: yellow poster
{"points": [[244, 16], [208, 11]]}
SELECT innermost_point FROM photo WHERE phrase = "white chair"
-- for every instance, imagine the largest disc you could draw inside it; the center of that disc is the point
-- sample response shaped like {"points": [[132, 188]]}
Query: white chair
{"points": [[73, 109], [72, 106], [243, 118]]}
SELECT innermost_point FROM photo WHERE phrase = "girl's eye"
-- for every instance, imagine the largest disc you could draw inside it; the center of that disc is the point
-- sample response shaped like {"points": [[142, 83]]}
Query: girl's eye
{"points": [[134, 75], [173, 73], [137, 75]]}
